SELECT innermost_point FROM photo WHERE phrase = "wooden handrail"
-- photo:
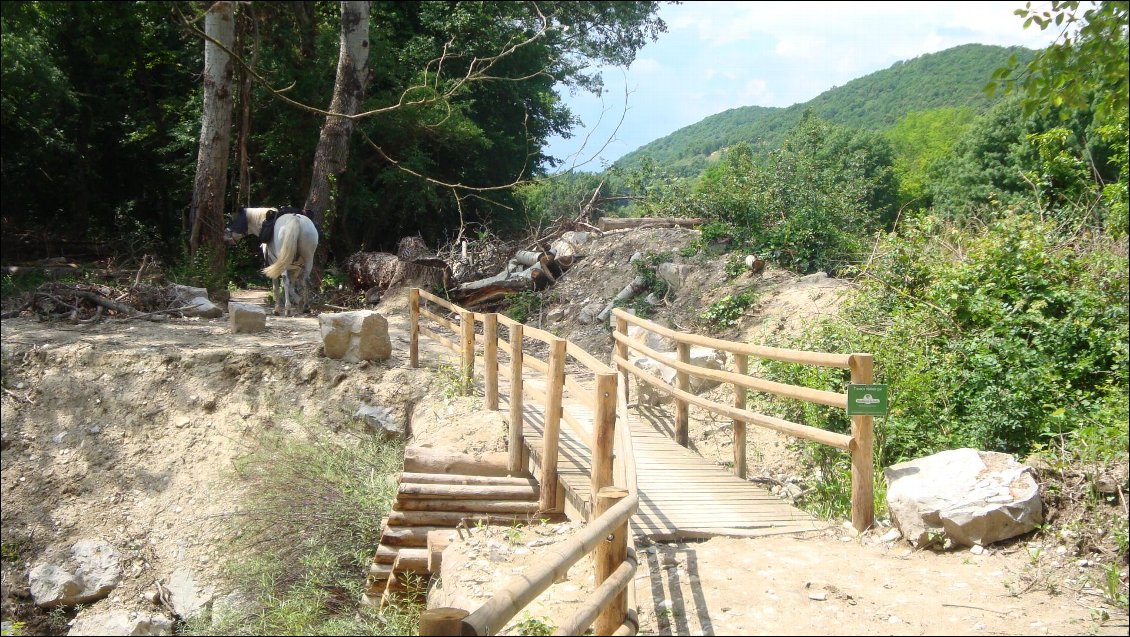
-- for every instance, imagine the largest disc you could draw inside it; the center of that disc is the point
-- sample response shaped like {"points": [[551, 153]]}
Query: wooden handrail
{"points": [[815, 434], [859, 444], [612, 604], [494, 614], [819, 396], [822, 359]]}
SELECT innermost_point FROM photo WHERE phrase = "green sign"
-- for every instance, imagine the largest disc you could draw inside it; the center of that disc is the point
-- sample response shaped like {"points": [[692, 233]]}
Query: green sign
{"points": [[867, 400]]}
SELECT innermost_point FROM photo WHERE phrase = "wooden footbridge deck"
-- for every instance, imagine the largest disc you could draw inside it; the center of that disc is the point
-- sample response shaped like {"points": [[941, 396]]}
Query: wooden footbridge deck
{"points": [[621, 466]]}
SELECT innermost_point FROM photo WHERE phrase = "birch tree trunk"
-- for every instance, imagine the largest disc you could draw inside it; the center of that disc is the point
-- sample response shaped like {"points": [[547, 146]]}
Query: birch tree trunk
{"points": [[349, 88], [207, 212]]}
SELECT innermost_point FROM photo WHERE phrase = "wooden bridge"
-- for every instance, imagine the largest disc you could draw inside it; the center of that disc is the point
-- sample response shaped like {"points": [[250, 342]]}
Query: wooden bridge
{"points": [[616, 466]]}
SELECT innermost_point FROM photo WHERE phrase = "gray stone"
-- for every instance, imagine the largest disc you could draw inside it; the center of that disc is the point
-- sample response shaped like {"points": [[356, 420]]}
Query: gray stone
{"points": [[699, 356], [246, 318], [674, 274], [188, 599], [355, 336], [589, 313], [88, 573], [120, 622], [650, 339], [972, 497], [197, 301], [382, 421]]}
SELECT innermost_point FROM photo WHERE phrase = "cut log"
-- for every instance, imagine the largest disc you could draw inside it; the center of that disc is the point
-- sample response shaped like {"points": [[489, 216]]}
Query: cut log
{"points": [[414, 560], [632, 289], [441, 518], [437, 542], [411, 536], [620, 223], [438, 461], [437, 478], [468, 506], [453, 492], [383, 271]]}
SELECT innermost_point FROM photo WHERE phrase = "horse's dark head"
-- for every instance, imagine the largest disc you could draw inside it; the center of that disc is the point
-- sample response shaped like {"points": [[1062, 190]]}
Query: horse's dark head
{"points": [[237, 229]]}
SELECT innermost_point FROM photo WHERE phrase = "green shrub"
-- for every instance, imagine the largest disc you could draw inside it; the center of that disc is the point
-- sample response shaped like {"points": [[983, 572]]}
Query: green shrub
{"points": [[726, 311], [520, 306]]}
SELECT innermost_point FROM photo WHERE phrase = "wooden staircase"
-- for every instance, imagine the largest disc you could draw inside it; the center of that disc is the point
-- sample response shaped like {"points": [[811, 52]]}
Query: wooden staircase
{"points": [[431, 508]]}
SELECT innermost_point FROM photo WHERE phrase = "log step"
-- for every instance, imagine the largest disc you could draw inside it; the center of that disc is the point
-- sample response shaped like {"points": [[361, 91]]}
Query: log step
{"points": [[466, 492], [410, 536], [433, 519], [410, 558], [440, 478], [468, 507]]}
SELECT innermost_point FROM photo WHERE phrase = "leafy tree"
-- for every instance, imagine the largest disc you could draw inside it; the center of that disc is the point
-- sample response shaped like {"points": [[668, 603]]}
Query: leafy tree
{"points": [[920, 141], [809, 205], [1085, 69]]}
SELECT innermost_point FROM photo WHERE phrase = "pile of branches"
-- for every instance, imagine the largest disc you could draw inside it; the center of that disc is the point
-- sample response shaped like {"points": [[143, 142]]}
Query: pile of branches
{"points": [[91, 302]]}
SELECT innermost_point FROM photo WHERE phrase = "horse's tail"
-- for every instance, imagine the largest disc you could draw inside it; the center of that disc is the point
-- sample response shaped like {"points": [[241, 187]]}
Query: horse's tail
{"points": [[286, 236]]}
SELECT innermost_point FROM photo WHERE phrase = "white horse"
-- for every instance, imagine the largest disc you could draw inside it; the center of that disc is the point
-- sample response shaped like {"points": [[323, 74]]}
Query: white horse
{"points": [[289, 250]]}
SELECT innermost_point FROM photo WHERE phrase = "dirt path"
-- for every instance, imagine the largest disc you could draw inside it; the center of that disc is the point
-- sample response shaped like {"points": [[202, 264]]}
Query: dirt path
{"points": [[122, 430]]}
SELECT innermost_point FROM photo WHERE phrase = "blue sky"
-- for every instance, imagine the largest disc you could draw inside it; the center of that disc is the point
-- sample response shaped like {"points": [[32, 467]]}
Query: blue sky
{"points": [[720, 55]]}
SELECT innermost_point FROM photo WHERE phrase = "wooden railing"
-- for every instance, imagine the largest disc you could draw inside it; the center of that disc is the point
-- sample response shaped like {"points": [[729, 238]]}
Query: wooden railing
{"points": [[859, 444], [610, 610]]}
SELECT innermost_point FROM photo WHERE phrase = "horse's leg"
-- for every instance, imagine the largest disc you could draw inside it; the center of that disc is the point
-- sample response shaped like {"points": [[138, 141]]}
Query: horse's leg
{"points": [[278, 296], [286, 291]]}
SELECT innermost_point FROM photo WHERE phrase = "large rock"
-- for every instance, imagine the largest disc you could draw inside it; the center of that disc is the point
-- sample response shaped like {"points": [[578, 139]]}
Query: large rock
{"points": [[383, 422], [356, 336], [699, 356], [197, 301], [87, 573], [650, 339], [246, 318], [120, 622], [188, 598], [674, 274], [973, 497]]}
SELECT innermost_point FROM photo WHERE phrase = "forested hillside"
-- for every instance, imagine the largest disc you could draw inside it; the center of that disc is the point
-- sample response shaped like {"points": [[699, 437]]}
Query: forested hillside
{"points": [[949, 79]]}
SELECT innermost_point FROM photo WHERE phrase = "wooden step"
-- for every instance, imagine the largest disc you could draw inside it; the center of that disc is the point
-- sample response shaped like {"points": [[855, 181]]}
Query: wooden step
{"points": [[434, 519], [469, 506], [441, 478], [410, 490]]}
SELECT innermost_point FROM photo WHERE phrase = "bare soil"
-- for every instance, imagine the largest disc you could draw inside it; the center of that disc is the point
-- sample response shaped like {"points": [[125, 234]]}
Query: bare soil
{"points": [[125, 430]]}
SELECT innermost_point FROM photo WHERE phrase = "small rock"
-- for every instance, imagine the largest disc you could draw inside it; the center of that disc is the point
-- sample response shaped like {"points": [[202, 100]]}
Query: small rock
{"points": [[818, 596]]}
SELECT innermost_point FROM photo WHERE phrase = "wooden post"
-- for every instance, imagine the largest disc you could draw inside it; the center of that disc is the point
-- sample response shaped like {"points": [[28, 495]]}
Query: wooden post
{"points": [[515, 443], [414, 331], [554, 384], [604, 432], [467, 328], [863, 441], [442, 621], [607, 557], [490, 353], [622, 352], [682, 411], [741, 366]]}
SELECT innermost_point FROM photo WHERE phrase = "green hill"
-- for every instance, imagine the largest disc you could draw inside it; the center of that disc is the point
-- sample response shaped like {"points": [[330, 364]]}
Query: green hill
{"points": [[951, 78]]}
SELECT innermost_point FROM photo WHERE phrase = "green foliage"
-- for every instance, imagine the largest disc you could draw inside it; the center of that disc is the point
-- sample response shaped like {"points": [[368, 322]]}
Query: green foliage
{"points": [[726, 311], [453, 382], [303, 543], [809, 205], [1004, 338], [920, 141], [1085, 69], [530, 625], [520, 306]]}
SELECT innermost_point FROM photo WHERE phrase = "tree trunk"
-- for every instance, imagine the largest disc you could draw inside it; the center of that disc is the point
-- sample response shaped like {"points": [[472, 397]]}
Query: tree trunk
{"points": [[349, 88], [210, 185]]}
